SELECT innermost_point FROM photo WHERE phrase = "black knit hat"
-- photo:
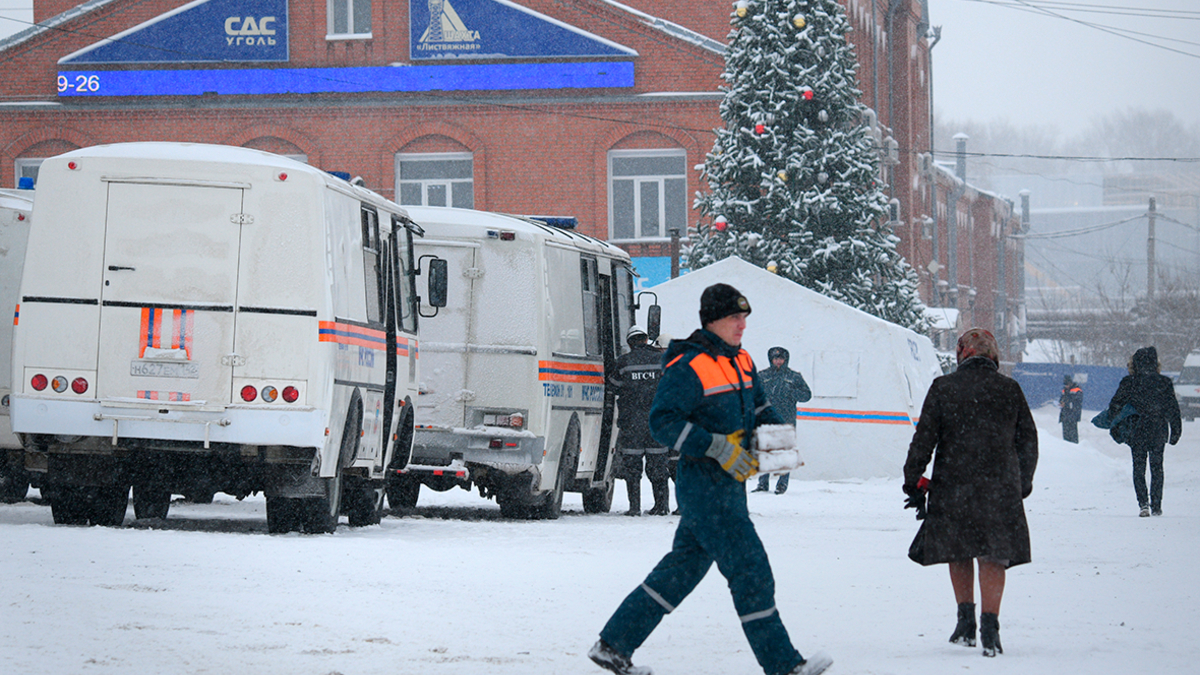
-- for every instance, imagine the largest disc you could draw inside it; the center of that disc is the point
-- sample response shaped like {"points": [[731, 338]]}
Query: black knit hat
{"points": [[719, 301]]}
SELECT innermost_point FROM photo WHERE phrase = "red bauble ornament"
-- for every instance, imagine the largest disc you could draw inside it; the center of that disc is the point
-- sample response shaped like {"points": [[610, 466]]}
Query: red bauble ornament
{"points": [[808, 95], [760, 128], [720, 223]]}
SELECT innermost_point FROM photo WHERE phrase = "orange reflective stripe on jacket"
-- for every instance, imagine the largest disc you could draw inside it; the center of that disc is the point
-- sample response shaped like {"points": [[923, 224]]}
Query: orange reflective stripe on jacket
{"points": [[719, 375]]}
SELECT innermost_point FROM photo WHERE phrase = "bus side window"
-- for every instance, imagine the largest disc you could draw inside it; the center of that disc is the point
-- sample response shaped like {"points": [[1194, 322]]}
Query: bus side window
{"points": [[402, 261], [591, 306], [371, 268]]}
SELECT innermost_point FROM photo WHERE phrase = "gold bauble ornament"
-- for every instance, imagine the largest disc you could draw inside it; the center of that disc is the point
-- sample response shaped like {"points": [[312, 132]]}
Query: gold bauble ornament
{"points": [[799, 21]]}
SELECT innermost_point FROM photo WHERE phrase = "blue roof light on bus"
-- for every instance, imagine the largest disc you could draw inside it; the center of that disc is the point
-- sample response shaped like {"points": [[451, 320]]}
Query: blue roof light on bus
{"points": [[564, 222]]}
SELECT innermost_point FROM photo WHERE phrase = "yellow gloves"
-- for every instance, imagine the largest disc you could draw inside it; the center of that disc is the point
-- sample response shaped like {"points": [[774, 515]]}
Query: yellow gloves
{"points": [[732, 457]]}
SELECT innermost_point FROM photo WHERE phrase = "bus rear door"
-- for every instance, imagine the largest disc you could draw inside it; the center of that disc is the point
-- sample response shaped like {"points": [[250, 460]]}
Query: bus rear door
{"points": [[169, 292]]}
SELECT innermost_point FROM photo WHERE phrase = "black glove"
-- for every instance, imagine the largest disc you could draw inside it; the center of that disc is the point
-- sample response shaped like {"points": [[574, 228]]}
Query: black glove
{"points": [[1174, 439], [916, 500]]}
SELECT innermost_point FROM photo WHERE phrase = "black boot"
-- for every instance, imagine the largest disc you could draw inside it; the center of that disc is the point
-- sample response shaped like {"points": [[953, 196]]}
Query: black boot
{"points": [[989, 632], [964, 632], [662, 499], [635, 497]]}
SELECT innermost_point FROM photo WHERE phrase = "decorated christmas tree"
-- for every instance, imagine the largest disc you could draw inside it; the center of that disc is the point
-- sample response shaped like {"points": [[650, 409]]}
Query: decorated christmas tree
{"points": [[794, 173]]}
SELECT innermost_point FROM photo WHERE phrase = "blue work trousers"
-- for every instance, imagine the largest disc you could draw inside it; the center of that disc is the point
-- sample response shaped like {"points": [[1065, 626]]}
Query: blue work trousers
{"points": [[714, 527]]}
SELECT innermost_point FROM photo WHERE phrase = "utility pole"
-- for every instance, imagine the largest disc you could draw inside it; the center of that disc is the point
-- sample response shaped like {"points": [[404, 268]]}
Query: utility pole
{"points": [[1150, 216], [674, 252], [1150, 304]]}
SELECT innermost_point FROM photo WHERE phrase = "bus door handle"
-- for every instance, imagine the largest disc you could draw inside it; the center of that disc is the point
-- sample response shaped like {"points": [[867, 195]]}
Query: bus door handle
{"points": [[118, 268]]}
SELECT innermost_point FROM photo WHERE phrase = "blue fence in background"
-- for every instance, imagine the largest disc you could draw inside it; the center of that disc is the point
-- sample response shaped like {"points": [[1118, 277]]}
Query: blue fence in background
{"points": [[1042, 383]]}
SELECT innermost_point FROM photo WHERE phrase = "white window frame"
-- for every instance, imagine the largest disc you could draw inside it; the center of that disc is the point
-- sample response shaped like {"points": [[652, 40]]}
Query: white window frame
{"points": [[425, 183], [21, 164], [638, 182], [351, 33]]}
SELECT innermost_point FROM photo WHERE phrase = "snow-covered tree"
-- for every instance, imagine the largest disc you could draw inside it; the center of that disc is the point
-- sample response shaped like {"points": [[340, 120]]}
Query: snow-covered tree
{"points": [[794, 172]]}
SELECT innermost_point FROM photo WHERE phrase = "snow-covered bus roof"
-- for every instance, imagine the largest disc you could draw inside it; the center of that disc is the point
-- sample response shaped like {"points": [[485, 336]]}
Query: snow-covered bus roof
{"points": [[16, 200], [179, 153], [469, 222]]}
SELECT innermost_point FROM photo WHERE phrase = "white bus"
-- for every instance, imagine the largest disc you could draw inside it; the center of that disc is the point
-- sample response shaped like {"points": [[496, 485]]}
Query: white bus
{"points": [[15, 209], [206, 318], [513, 398]]}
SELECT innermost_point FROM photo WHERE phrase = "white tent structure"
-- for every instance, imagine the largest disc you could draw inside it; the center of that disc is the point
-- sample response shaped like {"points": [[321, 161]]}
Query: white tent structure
{"points": [[868, 376]]}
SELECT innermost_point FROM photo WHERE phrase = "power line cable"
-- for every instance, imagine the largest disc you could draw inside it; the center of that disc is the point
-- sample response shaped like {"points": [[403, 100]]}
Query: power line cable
{"points": [[1169, 219], [1083, 230], [1141, 12], [1026, 5]]}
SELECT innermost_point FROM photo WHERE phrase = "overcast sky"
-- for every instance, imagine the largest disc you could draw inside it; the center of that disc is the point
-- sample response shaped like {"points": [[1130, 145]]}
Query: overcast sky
{"points": [[1003, 59], [1013, 60]]}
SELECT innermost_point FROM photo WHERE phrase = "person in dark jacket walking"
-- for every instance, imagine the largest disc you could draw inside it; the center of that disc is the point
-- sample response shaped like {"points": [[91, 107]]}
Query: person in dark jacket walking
{"points": [[709, 402], [1070, 405], [785, 388], [1156, 422], [978, 423], [635, 382]]}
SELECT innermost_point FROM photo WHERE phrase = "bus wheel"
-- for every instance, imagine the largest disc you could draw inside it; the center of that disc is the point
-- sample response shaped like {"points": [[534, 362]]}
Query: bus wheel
{"points": [[283, 515], [68, 505], [150, 502], [321, 513], [599, 500], [568, 459], [364, 503], [108, 505], [403, 491], [14, 484]]}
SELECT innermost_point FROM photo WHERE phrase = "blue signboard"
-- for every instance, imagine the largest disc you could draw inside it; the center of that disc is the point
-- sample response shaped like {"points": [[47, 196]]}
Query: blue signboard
{"points": [[497, 29], [257, 81], [203, 31]]}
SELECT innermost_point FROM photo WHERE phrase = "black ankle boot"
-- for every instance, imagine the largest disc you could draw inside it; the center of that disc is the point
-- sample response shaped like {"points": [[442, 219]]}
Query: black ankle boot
{"points": [[989, 632], [662, 498], [964, 632], [634, 489]]}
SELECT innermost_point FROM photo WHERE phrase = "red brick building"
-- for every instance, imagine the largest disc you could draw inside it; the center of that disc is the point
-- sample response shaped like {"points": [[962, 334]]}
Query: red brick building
{"points": [[596, 109]]}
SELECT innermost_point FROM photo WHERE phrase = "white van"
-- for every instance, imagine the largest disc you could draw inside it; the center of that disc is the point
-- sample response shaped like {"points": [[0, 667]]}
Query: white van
{"points": [[199, 317], [15, 210], [1187, 386], [513, 397]]}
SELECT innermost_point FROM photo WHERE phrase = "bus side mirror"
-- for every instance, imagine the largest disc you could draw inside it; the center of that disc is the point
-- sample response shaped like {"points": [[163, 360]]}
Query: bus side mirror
{"points": [[653, 321], [437, 282]]}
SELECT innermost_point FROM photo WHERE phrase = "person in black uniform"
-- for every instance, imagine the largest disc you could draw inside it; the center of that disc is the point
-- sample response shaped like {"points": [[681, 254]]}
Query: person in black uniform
{"points": [[636, 382], [785, 388], [1071, 407]]}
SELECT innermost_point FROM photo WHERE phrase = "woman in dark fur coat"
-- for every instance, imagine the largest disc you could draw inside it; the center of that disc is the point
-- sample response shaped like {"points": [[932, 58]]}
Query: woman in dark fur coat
{"points": [[977, 428]]}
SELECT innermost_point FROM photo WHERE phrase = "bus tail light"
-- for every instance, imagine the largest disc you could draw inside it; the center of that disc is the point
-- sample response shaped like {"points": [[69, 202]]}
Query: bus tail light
{"points": [[269, 394], [79, 385], [249, 393], [59, 384], [38, 382], [291, 394]]}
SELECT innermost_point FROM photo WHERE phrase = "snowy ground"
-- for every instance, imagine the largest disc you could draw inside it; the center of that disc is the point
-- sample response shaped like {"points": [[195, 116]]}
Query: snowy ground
{"points": [[454, 590]]}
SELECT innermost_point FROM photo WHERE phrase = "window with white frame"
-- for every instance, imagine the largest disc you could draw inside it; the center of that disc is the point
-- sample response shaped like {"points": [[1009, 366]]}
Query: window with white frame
{"points": [[647, 193], [436, 179], [349, 18], [27, 167]]}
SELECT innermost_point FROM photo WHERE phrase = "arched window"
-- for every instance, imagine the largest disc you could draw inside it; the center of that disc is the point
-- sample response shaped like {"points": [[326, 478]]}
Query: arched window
{"points": [[647, 193], [435, 178]]}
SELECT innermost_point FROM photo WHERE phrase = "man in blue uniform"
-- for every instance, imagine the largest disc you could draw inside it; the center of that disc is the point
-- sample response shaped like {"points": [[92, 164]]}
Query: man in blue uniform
{"points": [[708, 404], [785, 388]]}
